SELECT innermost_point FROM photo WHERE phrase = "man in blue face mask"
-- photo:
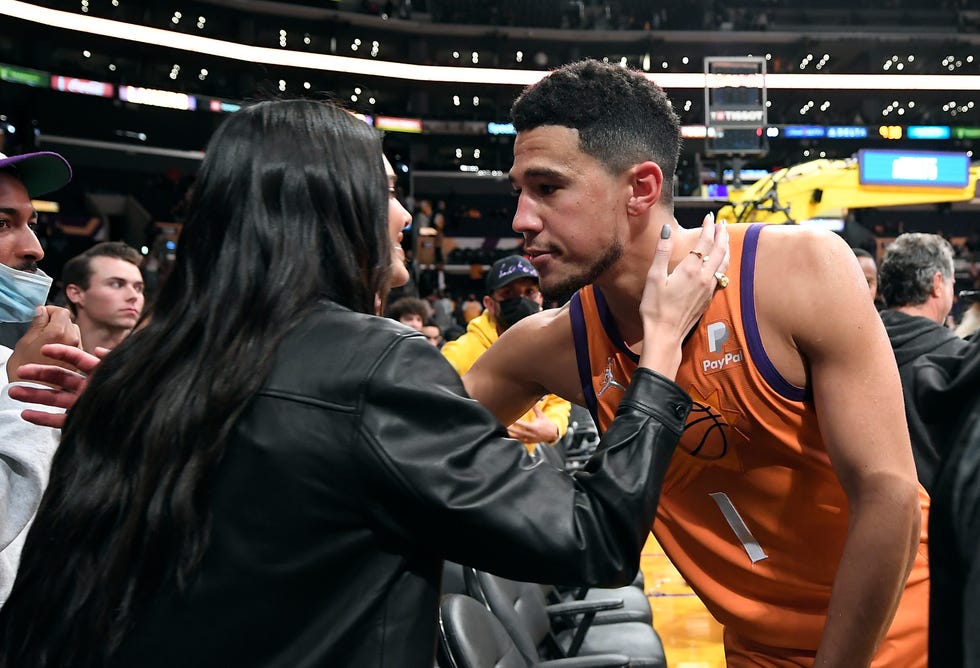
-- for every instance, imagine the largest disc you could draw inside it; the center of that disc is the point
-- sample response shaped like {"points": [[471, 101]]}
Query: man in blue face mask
{"points": [[512, 294], [25, 325], [23, 287]]}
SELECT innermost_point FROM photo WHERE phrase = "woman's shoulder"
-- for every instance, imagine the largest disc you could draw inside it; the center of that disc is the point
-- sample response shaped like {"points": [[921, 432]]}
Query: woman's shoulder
{"points": [[341, 322], [331, 342]]}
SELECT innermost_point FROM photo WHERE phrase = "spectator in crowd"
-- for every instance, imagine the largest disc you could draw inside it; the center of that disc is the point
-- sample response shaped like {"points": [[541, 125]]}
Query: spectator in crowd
{"points": [[870, 269], [267, 474], [512, 294], [471, 308], [916, 281], [24, 285], [104, 289], [432, 334], [970, 322], [791, 506], [410, 311], [442, 315], [25, 449]]}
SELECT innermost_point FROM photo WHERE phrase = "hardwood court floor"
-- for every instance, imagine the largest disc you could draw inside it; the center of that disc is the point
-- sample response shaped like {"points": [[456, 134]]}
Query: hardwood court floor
{"points": [[691, 636]]}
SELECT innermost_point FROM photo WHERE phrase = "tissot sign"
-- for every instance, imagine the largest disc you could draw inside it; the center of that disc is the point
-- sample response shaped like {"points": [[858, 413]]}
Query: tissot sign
{"points": [[736, 117]]}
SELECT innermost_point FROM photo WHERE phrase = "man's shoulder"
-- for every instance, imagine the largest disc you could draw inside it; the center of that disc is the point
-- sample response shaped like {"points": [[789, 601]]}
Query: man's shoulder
{"points": [[482, 324], [464, 351], [893, 318], [811, 302], [901, 325], [805, 261], [536, 355], [480, 332], [803, 239]]}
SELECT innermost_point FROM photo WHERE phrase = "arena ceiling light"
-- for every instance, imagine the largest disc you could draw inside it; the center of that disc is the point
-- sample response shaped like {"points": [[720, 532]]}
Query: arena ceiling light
{"points": [[479, 75]]}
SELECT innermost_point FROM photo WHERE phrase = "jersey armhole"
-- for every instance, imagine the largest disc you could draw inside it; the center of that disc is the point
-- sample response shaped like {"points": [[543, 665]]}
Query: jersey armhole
{"points": [[581, 337], [750, 323]]}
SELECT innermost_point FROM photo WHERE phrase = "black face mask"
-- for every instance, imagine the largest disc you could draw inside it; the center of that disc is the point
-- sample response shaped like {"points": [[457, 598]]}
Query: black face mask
{"points": [[515, 309]]}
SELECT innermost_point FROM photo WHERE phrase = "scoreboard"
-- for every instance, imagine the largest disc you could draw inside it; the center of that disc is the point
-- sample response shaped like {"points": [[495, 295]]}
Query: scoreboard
{"points": [[735, 106]]}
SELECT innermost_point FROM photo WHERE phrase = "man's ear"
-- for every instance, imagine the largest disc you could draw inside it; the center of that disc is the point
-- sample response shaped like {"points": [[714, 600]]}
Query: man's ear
{"points": [[937, 285], [74, 293], [487, 302], [647, 180]]}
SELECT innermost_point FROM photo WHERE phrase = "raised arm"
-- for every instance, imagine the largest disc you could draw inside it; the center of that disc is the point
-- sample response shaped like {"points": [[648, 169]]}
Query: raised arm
{"points": [[859, 405], [443, 474]]}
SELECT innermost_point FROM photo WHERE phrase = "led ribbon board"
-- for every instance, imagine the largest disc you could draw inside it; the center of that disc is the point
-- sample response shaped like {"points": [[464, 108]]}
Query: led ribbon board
{"points": [[935, 169]]}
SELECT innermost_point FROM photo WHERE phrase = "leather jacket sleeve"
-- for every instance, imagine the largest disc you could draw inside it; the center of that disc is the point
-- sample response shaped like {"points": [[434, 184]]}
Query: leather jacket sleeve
{"points": [[444, 475]]}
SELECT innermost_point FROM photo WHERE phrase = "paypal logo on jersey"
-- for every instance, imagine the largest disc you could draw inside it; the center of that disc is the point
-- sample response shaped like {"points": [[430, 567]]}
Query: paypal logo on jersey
{"points": [[717, 335]]}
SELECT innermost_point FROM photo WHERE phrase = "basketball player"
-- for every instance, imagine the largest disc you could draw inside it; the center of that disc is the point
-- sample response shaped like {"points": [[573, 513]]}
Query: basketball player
{"points": [[791, 504]]}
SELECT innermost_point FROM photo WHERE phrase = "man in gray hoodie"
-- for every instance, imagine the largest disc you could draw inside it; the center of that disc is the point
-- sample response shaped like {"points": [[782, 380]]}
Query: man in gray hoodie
{"points": [[25, 325]]}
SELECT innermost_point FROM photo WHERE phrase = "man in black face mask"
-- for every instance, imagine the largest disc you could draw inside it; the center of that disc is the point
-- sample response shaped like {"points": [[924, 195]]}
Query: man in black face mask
{"points": [[512, 294]]}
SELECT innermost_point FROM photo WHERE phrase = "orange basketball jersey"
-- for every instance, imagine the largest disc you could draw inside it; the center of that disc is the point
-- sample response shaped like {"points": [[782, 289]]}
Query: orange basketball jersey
{"points": [[751, 512]]}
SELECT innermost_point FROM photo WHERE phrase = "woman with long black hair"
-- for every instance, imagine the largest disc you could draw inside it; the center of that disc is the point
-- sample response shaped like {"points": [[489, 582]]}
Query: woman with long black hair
{"points": [[266, 474]]}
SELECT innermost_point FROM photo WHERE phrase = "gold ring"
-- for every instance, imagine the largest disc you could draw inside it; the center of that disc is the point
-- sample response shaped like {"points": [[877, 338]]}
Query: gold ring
{"points": [[722, 280], [700, 255]]}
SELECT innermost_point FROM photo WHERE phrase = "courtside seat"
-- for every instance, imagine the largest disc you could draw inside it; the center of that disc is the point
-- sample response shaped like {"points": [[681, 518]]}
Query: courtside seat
{"points": [[565, 629], [471, 637]]}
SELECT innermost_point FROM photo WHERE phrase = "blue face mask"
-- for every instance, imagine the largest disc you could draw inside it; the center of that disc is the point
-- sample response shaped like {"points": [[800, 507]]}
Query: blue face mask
{"points": [[21, 292]]}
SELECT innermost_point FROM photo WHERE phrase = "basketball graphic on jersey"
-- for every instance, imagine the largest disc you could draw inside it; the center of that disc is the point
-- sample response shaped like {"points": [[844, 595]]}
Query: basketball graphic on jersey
{"points": [[710, 433]]}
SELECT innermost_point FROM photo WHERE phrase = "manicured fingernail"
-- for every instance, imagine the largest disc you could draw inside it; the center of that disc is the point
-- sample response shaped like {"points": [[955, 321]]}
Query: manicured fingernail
{"points": [[711, 216], [665, 232]]}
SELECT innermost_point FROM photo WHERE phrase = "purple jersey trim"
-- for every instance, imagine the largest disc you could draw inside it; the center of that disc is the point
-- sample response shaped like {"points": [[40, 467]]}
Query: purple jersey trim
{"points": [[751, 325], [581, 337], [608, 324]]}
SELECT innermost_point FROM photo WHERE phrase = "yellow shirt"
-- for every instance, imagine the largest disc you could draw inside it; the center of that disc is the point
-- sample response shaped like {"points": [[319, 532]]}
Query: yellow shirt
{"points": [[481, 332]]}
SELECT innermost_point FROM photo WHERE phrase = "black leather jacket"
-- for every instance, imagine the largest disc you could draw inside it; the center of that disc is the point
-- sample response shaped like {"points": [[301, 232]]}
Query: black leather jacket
{"points": [[358, 468], [948, 398]]}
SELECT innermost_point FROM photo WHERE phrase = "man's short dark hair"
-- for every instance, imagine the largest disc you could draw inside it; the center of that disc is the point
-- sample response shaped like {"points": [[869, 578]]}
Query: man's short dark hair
{"points": [[78, 270], [622, 117]]}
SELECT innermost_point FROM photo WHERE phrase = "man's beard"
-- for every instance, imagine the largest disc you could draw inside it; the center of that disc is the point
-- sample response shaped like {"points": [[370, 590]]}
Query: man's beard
{"points": [[562, 287]]}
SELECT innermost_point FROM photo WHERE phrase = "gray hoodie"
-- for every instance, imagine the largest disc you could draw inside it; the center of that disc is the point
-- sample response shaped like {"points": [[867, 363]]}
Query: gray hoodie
{"points": [[25, 459]]}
